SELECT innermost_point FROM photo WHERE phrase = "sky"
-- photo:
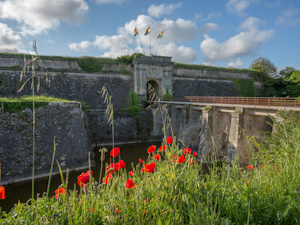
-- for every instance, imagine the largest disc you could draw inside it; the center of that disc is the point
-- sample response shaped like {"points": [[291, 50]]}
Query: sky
{"points": [[226, 33]]}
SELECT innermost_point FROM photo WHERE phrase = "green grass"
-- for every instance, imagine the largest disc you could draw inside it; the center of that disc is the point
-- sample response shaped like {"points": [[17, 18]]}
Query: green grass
{"points": [[179, 193], [17, 104]]}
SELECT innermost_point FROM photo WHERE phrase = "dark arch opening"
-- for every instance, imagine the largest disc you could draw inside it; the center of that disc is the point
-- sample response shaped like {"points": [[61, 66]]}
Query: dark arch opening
{"points": [[152, 90]]}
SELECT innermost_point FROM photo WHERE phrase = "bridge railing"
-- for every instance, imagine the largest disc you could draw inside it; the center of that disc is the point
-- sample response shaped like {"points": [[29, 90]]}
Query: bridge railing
{"points": [[262, 101]]}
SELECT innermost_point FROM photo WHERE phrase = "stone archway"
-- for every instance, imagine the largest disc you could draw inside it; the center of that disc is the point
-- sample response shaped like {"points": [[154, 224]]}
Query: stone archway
{"points": [[153, 90]]}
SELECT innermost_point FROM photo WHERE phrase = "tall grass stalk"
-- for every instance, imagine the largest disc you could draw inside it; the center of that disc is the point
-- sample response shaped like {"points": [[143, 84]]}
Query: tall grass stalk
{"points": [[50, 175]]}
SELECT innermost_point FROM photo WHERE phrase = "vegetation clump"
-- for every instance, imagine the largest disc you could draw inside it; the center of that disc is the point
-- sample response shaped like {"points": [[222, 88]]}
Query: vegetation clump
{"points": [[168, 96], [133, 102], [245, 87], [13, 105]]}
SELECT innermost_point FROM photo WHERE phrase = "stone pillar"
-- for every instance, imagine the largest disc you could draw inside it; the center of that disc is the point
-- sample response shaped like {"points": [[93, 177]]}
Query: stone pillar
{"points": [[236, 137], [205, 145]]}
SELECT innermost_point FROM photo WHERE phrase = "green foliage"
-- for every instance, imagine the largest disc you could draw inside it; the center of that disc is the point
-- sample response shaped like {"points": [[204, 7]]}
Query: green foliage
{"points": [[13, 105], [264, 66], [168, 96], [253, 74], [89, 64], [295, 77], [287, 72], [129, 59], [133, 102], [245, 87]]}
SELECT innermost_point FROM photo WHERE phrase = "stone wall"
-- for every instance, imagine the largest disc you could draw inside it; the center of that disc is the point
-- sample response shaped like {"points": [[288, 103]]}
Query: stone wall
{"points": [[72, 86], [61, 120], [139, 128], [203, 87]]}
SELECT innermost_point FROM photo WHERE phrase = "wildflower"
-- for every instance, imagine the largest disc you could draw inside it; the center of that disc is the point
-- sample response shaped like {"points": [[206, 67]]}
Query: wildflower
{"points": [[141, 161], [192, 162], [121, 164], [187, 151], [131, 173], [181, 159], [113, 167], [169, 140], [115, 152], [2, 192], [129, 183], [84, 178], [262, 165], [156, 157], [145, 200], [117, 210], [248, 182], [149, 168], [163, 147], [151, 149], [195, 154], [145, 211], [250, 167], [91, 210], [107, 178], [59, 192]]}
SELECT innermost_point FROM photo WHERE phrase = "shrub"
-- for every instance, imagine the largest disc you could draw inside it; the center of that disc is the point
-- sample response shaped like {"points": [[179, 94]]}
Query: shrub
{"points": [[168, 96], [133, 102]]}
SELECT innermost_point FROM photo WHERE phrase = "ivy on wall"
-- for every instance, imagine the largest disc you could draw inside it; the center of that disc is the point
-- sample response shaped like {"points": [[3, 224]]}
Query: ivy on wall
{"points": [[245, 87]]}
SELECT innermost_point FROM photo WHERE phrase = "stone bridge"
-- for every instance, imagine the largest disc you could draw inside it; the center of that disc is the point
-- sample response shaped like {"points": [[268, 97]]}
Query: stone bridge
{"points": [[221, 128]]}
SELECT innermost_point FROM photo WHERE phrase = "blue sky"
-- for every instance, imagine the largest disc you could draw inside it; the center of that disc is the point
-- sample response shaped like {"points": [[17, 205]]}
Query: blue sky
{"points": [[228, 33]]}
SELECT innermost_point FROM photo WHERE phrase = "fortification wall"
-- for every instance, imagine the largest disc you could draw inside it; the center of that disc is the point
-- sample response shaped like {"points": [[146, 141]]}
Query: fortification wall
{"points": [[72, 86], [61, 120]]}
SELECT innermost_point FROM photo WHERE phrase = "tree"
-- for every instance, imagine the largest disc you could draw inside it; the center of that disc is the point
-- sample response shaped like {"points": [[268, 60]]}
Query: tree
{"points": [[264, 66], [287, 72]]}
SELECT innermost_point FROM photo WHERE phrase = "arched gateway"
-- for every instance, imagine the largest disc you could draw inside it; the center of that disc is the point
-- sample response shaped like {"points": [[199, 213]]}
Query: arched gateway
{"points": [[153, 71]]}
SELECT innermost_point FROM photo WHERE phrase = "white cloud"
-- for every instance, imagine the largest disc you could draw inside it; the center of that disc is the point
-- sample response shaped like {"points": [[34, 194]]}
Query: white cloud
{"points": [[159, 10], [238, 6], [235, 63], [239, 45], [178, 53], [289, 18], [82, 46], [110, 1], [38, 16], [9, 41], [124, 42]]}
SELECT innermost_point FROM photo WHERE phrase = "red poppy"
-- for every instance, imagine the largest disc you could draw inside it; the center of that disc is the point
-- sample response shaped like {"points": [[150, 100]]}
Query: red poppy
{"points": [[141, 161], [84, 178], [2, 192], [250, 167], [149, 168], [115, 152], [113, 167], [145, 211], [107, 178], [181, 159], [192, 162], [145, 200], [131, 173], [121, 164], [59, 192], [195, 154], [187, 151], [117, 210], [248, 182], [169, 140], [156, 157], [129, 183], [151, 149], [163, 147], [262, 165]]}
